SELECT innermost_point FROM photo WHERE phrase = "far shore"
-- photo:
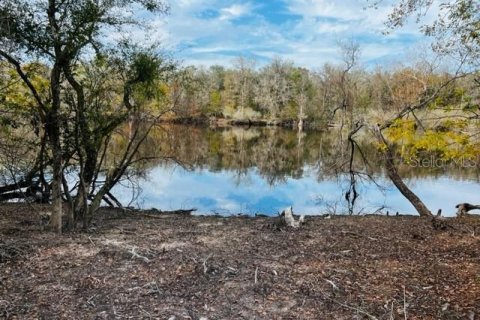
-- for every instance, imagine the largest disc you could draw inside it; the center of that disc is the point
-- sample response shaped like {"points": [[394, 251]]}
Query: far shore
{"points": [[229, 122]]}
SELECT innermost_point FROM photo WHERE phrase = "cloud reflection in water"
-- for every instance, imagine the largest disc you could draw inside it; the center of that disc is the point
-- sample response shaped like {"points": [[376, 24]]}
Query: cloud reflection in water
{"points": [[223, 192]]}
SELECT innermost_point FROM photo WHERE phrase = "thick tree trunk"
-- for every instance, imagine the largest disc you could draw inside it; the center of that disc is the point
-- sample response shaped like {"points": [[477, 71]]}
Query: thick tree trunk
{"points": [[403, 188], [398, 181], [54, 135], [56, 218], [53, 131], [87, 148], [70, 214]]}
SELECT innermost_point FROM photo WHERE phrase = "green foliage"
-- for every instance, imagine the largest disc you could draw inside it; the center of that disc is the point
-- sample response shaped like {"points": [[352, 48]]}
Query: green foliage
{"points": [[77, 102], [144, 68], [449, 99], [448, 140], [215, 105], [290, 111]]}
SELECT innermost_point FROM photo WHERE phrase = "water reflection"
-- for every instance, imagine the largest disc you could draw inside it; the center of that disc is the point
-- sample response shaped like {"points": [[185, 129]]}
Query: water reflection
{"points": [[262, 170]]}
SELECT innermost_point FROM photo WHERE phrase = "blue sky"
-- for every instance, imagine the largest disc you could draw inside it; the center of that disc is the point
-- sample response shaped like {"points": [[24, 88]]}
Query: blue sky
{"points": [[307, 32]]}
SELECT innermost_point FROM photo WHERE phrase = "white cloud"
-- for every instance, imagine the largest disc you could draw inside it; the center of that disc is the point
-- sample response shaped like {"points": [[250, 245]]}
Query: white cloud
{"points": [[344, 10], [235, 11], [219, 191], [212, 31]]}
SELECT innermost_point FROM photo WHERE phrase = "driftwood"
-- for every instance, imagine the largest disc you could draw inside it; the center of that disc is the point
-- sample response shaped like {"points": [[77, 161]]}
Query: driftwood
{"points": [[33, 193], [186, 212], [464, 208], [290, 220], [155, 211]]}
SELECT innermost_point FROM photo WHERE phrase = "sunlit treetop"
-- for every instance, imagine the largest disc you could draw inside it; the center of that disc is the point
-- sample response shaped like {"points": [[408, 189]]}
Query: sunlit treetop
{"points": [[50, 28], [456, 28]]}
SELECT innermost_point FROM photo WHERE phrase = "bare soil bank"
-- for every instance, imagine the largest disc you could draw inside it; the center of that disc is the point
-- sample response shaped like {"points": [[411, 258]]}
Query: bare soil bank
{"points": [[143, 265]]}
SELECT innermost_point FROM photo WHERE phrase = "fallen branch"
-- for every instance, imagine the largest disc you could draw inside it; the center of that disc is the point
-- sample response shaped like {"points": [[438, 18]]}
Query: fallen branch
{"points": [[112, 198], [464, 208], [179, 212]]}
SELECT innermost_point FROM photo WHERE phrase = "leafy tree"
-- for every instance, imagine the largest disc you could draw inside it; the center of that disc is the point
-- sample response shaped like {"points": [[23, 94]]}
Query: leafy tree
{"points": [[456, 29], [62, 33]]}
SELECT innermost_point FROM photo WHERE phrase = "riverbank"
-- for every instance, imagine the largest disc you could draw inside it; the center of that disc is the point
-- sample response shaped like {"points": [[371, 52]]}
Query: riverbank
{"points": [[165, 266], [226, 122]]}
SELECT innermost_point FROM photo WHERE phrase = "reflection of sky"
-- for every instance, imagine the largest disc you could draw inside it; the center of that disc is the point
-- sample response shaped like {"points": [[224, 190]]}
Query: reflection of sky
{"points": [[224, 193]]}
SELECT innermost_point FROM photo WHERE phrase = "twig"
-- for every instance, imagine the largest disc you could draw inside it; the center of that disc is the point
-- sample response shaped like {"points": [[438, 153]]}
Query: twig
{"points": [[335, 287], [391, 312], [404, 304], [136, 255], [153, 287], [90, 300], [256, 275], [205, 268]]}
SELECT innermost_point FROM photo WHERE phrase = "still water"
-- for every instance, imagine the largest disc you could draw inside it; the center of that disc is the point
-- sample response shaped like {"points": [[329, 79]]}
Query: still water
{"points": [[263, 170]]}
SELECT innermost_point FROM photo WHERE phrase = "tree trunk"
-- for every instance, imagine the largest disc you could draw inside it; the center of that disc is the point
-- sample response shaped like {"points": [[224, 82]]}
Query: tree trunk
{"points": [[56, 218], [54, 135], [398, 181], [87, 148], [52, 127]]}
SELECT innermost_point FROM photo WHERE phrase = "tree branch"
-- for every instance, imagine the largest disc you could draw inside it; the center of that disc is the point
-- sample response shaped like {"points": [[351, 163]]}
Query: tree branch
{"points": [[26, 80]]}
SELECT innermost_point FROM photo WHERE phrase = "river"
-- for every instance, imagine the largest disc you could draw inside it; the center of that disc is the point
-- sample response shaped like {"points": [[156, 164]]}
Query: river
{"points": [[263, 170]]}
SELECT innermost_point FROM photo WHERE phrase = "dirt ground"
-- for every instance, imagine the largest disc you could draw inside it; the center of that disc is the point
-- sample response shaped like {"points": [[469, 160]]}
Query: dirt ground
{"points": [[145, 265]]}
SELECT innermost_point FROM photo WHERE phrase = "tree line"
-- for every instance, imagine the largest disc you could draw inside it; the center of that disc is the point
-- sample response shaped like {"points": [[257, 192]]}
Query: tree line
{"points": [[282, 91]]}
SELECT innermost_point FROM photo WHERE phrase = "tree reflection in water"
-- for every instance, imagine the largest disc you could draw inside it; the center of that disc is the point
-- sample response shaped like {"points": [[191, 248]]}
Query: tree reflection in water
{"points": [[263, 169]]}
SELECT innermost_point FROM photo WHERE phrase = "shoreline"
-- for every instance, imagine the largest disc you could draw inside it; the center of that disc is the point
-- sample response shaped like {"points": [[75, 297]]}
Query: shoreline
{"points": [[226, 122]]}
